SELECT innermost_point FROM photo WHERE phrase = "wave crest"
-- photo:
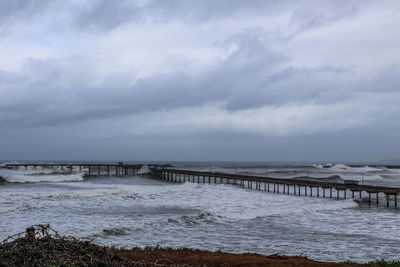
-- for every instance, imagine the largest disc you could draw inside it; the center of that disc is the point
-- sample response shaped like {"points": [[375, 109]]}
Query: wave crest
{"points": [[12, 176]]}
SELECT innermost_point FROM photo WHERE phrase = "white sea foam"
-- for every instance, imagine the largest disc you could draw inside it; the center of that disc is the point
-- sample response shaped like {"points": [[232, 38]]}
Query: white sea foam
{"points": [[236, 203], [221, 200], [345, 168], [266, 210], [36, 176], [394, 171], [345, 172], [9, 162], [224, 201]]}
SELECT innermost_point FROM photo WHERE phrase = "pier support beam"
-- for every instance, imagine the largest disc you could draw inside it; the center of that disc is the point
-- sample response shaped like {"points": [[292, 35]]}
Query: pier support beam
{"points": [[387, 200]]}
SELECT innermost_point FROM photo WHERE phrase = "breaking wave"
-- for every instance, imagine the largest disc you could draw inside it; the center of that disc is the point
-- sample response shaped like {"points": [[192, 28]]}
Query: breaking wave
{"points": [[346, 168], [37, 176]]}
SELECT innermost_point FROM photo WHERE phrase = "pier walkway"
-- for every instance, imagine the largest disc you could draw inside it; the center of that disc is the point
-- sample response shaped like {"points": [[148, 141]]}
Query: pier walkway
{"points": [[276, 185]]}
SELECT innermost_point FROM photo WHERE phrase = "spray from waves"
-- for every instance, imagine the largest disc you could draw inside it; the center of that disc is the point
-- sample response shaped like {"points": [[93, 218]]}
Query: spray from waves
{"points": [[394, 171], [216, 201], [365, 173], [226, 201], [275, 209], [346, 168], [144, 170], [4, 164], [358, 177], [37, 176]]}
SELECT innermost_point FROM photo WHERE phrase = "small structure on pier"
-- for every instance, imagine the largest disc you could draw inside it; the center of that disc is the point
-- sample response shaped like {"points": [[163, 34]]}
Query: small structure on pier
{"points": [[350, 182]]}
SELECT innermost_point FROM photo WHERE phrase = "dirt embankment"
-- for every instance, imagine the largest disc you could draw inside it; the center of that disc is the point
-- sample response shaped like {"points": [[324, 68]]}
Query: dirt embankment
{"points": [[42, 246], [207, 258]]}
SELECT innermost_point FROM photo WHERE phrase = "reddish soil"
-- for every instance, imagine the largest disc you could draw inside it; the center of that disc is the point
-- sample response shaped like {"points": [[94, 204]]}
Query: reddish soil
{"points": [[207, 258]]}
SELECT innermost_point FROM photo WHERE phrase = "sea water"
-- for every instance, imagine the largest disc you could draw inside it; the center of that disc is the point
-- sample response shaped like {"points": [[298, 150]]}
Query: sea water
{"points": [[136, 210]]}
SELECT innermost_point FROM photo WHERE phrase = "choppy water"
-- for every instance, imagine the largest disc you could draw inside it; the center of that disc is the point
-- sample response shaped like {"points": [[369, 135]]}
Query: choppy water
{"points": [[137, 211]]}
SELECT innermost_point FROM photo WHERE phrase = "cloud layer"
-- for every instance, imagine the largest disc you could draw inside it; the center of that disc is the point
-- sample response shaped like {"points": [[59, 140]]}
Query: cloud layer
{"points": [[164, 76]]}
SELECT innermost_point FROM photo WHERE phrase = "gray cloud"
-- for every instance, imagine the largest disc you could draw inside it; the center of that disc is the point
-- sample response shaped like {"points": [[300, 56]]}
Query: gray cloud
{"points": [[107, 15], [310, 14], [103, 14], [208, 9], [13, 9]]}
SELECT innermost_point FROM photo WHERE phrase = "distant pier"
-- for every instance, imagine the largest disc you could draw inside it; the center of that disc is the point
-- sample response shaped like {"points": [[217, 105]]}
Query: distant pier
{"points": [[87, 168], [296, 187]]}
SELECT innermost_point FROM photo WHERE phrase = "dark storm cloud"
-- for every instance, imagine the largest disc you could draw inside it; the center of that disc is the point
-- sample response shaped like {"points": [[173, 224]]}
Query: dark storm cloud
{"points": [[16, 9], [212, 9], [311, 14], [103, 14], [50, 92], [106, 15]]}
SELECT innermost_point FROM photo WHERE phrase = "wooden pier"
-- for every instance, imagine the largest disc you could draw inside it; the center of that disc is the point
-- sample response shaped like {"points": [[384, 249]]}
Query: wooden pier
{"points": [[296, 187], [88, 168]]}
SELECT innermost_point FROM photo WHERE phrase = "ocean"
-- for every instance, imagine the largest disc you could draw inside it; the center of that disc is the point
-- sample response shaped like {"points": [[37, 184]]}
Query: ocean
{"points": [[130, 211]]}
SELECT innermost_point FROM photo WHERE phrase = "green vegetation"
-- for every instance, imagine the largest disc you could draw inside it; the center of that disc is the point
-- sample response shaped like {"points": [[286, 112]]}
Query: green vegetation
{"points": [[169, 249], [378, 263]]}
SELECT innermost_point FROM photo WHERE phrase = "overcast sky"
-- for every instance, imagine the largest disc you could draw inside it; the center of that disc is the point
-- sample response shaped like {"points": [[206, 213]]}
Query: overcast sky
{"points": [[312, 80]]}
